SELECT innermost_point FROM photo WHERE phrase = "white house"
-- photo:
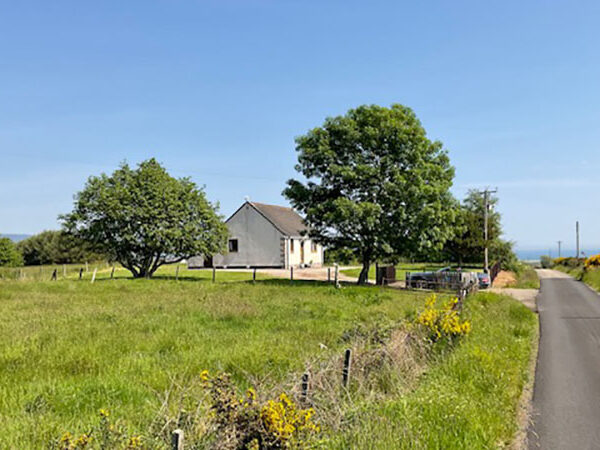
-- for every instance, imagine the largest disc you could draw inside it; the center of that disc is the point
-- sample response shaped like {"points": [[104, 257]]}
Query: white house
{"points": [[265, 236]]}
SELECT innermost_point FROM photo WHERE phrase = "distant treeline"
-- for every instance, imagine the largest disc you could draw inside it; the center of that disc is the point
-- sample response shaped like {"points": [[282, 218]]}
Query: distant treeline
{"points": [[47, 247]]}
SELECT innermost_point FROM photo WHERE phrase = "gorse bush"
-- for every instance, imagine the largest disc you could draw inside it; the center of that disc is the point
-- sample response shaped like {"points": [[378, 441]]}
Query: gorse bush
{"points": [[106, 435], [442, 323], [592, 262], [245, 423], [569, 261]]}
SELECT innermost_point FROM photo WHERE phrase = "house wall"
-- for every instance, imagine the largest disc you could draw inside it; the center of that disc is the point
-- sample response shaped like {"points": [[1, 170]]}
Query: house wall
{"points": [[311, 258], [259, 242]]}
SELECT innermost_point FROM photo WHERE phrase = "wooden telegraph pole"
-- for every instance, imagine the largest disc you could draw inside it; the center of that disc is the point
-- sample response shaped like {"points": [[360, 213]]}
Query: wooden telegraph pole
{"points": [[486, 206]]}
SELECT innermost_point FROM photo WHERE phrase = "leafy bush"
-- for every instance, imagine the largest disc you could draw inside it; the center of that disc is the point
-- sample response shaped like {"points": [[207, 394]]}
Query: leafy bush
{"points": [[547, 262], [442, 323], [9, 254]]}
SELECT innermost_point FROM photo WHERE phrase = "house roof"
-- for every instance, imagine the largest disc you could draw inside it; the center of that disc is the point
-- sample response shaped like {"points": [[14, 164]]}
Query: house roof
{"points": [[286, 220]]}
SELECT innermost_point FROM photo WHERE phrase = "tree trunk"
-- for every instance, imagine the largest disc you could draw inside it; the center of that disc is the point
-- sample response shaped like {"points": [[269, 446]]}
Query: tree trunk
{"points": [[363, 278]]}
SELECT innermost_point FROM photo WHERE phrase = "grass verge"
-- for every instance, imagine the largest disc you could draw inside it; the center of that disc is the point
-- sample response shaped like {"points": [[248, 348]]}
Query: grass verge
{"points": [[468, 398], [525, 278]]}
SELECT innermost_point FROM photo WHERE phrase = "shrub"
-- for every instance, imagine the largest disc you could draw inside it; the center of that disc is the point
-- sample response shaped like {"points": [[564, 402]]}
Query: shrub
{"points": [[107, 434], [592, 262], [569, 262], [244, 423], [442, 323], [9, 254], [547, 262]]}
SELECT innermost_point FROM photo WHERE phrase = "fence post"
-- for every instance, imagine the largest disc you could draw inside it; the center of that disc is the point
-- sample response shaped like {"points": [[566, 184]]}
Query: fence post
{"points": [[329, 274], [81, 273], [254, 275], [346, 370], [64, 271], [337, 270], [304, 394], [94, 274], [87, 269], [177, 273], [214, 274], [54, 275], [177, 440], [112, 272], [291, 273]]}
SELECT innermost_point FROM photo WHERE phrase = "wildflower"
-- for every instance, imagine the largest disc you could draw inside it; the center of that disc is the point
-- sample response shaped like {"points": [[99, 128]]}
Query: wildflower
{"points": [[204, 375], [104, 413]]}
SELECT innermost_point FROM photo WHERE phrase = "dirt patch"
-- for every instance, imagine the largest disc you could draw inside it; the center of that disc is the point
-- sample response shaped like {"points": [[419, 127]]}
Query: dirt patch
{"points": [[309, 273], [504, 279]]}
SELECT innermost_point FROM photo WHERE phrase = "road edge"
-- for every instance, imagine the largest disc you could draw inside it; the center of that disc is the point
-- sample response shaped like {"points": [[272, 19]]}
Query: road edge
{"points": [[525, 404]]}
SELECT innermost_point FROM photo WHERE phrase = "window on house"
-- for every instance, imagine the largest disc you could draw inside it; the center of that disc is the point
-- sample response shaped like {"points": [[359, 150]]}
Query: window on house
{"points": [[291, 246], [233, 245], [313, 246]]}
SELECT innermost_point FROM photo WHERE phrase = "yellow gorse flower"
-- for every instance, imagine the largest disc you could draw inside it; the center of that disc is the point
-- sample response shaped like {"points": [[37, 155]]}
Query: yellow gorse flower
{"points": [[442, 322]]}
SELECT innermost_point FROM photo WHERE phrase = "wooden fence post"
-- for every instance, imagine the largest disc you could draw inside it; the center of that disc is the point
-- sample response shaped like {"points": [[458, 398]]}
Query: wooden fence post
{"points": [[304, 394], [87, 269], [81, 273], [291, 273], [54, 275], [64, 271], [254, 275], [112, 272], [177, 440], [177, 273], [94, 274], [337, 270], [214, 274], [346, 370], [329, 274]]}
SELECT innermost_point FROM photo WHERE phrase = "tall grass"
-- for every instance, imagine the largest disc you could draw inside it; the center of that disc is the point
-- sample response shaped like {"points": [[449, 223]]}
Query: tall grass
{"points": [[69, 348]]}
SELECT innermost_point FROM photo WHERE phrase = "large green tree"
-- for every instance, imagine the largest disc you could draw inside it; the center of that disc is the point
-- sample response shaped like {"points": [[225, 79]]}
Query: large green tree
{"points": [[374, 184], [468, 243], [9, 254], [144, 218]]}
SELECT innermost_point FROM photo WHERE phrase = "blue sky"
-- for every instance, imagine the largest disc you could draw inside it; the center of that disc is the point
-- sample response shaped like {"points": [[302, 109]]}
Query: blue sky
{"points": [[218, 90]]}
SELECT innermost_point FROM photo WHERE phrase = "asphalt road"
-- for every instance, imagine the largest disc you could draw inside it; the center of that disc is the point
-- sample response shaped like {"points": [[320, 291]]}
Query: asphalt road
{"points": [[566, 397]]}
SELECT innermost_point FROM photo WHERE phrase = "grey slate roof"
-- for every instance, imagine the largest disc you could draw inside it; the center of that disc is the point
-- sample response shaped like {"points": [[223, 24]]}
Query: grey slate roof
{"points": [[288, 221]]}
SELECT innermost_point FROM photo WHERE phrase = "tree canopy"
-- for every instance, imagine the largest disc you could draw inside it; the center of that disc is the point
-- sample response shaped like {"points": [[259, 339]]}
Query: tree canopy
{"points": [[9, 254], [144, 218], [56, 247], [375, 184], [467, 246]]}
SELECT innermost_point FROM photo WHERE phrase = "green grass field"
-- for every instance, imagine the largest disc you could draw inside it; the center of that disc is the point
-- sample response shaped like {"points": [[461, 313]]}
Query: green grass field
{"points": [[70, 348]]}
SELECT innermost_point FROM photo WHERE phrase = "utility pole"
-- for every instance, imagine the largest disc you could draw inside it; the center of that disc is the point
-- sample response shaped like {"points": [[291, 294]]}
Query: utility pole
{"points": [[559, 243], [486, 206], [577, 237]]}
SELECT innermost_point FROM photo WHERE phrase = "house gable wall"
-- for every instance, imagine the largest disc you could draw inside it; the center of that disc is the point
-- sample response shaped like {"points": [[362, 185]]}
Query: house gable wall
{"points": [[259, 242]]}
